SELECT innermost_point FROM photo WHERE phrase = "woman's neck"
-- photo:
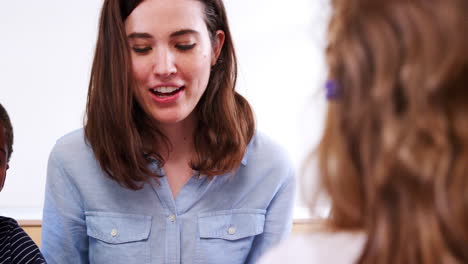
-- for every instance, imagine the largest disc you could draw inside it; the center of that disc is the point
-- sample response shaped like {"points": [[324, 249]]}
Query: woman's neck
{"points": [[177, 162], [180, 136]]}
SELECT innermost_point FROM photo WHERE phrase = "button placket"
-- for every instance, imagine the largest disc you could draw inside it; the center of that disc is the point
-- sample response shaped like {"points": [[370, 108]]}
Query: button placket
{"points": [[172, 218]]}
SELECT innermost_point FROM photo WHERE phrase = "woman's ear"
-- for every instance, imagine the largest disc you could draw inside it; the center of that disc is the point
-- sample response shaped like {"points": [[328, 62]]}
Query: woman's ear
{"points": [[217, 46]]}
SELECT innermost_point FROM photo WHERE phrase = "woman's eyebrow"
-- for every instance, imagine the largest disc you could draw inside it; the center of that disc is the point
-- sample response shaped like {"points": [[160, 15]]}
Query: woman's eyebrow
{"points": [[184, 32], [181, 32], [135, 35]]}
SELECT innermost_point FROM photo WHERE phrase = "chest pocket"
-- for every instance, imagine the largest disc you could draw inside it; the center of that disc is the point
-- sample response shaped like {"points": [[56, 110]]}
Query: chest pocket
{"points": [[118, 238], [226, 236]]}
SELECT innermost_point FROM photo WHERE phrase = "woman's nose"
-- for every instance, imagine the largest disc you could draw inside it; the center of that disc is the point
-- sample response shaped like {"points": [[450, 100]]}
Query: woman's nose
{"points": [[164, 64]]}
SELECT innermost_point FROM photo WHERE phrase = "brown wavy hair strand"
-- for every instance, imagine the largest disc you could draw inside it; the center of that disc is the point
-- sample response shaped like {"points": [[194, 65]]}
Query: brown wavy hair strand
{"points": [[394, 156]]}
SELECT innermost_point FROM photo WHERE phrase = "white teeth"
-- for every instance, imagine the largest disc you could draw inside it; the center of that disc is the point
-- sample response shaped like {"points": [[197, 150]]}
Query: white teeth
{"points": [[164, 89]]}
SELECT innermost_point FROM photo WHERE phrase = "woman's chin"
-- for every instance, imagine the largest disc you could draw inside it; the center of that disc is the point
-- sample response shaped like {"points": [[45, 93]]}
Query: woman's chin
{"points": [[170, 120]]}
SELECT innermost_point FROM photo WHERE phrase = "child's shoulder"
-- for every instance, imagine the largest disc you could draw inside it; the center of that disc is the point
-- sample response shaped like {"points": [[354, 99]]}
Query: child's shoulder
{"points": [[7, 222], [7, 227]]}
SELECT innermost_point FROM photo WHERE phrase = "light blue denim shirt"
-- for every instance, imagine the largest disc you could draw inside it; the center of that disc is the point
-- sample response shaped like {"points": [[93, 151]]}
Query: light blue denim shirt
{"points": [[89, 218]]}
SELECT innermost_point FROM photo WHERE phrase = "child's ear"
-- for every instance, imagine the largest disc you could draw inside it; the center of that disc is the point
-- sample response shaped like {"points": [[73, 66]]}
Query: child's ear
{"points": [[217, 46]]}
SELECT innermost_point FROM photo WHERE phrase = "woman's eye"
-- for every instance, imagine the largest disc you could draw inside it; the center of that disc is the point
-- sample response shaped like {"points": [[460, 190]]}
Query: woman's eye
{"points": [[141, 50], [184, 47]]}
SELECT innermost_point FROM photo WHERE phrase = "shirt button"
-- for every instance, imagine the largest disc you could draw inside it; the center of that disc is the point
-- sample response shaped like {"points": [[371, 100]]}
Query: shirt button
{"points": [[114, 232], [231, 230], [172, 218]]}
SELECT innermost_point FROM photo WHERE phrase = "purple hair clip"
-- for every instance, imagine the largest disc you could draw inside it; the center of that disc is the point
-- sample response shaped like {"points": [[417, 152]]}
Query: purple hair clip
{"points": [[332, 90]]}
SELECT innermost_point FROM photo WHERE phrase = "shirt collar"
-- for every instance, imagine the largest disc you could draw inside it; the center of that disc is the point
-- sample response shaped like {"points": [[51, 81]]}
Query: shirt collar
{"points": [[246, 156]]}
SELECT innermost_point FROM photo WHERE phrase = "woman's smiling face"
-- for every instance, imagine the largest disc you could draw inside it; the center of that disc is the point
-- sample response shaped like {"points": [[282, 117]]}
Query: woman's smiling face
{"points": [[172, 54]]}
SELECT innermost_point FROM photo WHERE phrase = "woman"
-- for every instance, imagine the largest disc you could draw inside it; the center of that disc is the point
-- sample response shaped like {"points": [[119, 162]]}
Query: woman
{"points": [[168, 168], [15, 245], [393, 159]]}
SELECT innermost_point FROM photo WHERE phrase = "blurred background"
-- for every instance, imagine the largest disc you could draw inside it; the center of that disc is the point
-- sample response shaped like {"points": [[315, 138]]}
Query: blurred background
{"points": [[46, 51]]}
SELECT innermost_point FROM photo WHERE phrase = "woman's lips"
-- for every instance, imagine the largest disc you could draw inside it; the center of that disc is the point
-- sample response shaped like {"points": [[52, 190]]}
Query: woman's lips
{"points": [[166, 94]]}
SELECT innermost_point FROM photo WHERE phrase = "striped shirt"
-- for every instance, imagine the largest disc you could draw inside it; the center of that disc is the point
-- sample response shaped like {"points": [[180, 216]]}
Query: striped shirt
{"points": [[16, 246]]}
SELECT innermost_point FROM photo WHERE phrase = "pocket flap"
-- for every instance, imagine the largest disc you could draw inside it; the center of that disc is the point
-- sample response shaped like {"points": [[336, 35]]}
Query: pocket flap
{"points": [[117, 228], [231, 224]]}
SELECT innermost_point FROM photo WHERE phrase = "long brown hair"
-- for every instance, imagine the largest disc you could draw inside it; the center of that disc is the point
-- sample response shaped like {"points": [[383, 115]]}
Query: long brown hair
{"points": [[394, 156], [118, 129]]}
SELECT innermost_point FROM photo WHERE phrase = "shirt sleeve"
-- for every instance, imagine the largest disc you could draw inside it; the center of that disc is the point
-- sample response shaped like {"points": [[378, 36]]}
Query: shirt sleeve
{"points": [[278, 220], [63, 229]]}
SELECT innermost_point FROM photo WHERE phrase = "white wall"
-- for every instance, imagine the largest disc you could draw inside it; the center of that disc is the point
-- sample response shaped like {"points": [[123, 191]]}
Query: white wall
{"points": [[46, 51]]}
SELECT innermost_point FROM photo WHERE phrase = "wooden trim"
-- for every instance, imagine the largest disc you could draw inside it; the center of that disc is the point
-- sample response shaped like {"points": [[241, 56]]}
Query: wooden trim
{"points": [[30, 223]]}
